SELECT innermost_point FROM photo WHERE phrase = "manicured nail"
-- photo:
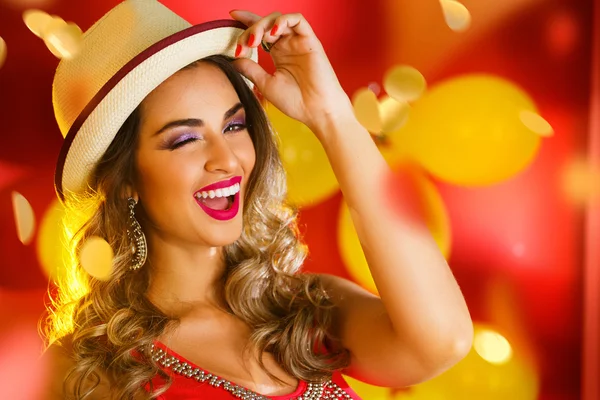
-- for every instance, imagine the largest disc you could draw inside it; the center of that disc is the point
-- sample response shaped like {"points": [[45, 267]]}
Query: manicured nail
{"points": [[238, 50], [274, 30], [251, 40]]}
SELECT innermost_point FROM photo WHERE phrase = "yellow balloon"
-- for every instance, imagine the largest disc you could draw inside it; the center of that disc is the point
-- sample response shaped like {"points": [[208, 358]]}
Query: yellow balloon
{"points": [[51, 242], [436, 217], [310, 178], [476, 378], [366, 391], [469, 131]]}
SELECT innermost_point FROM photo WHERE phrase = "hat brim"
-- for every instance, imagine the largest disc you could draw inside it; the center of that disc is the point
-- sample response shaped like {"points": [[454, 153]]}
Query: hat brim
{"points": [[94, 129]]}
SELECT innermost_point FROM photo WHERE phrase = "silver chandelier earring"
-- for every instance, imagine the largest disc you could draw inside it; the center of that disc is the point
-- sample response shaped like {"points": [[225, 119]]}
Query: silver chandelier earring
{"points": [[137, 239]]}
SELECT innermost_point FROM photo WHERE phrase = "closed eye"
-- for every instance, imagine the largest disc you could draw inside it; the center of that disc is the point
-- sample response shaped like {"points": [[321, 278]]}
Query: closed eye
{"points": [[178, 144]]}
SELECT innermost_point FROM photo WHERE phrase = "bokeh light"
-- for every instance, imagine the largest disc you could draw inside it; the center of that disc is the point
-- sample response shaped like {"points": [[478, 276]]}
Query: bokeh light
{"points": [[457, 16], [404, 83], [24, 217], [51, 242], [3, 51], [536, 123], [580, 181], [393, 113], [37, 21], [64, 41], [366, 109], [492, 346], [96, 257]]}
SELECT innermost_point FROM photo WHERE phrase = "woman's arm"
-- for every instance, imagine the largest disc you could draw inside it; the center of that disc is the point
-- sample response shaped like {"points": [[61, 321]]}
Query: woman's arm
{"points": [[421, 325]]}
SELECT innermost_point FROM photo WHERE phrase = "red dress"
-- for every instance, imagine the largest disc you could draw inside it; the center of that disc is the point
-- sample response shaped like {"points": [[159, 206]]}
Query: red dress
{"points": [[192, 382]]}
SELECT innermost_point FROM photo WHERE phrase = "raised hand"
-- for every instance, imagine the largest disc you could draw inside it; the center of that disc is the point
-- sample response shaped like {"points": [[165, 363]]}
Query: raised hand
{"points": [[304, 85]]}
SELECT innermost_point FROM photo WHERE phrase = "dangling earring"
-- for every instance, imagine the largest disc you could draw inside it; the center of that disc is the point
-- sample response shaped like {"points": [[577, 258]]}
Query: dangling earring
{"points": [[137, 239]]}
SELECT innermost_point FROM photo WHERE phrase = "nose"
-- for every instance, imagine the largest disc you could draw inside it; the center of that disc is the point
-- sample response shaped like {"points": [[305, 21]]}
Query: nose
{"points": [[221, 157]]}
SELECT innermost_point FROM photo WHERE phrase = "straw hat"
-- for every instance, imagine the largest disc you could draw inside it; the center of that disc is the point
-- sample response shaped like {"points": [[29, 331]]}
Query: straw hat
{"points": [[123, 57]]}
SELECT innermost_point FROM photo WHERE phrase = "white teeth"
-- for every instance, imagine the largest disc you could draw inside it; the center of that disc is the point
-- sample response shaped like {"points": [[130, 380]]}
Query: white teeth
{"points": [[223, 192]]}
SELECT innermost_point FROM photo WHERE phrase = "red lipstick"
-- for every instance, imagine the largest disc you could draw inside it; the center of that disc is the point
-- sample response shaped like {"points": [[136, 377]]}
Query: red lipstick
{"points": [[221, 215]]}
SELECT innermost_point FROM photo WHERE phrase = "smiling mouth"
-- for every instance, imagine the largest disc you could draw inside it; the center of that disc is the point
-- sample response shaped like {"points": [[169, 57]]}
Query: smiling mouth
{"points": [[219, 199]]}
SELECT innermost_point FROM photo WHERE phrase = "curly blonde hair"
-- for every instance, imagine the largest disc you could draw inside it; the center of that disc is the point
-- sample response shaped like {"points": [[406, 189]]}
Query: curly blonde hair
{"points": [[110, 323]]}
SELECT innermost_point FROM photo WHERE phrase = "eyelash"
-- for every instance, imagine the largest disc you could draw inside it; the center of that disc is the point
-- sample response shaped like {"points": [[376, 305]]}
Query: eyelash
{"points": [[238, 127]]}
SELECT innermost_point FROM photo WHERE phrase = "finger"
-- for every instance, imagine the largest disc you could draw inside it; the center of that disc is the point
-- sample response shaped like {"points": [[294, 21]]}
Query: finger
{"points": [[245, 17], [252, 71], [252, 36], [289, 24]]}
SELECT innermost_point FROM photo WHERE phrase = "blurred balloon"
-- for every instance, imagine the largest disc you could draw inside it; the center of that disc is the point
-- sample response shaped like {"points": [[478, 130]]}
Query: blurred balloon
{"points": [[467, 131], [24, 217], [366, 391], [52, 243], [457, 16], [20, 347], [476, 378], [423, 200], [2, 52], [404, 83], [310, 178]]}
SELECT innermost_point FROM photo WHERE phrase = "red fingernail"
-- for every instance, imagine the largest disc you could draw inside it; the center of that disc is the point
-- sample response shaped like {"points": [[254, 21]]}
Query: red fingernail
{"points": [[250, 40], [274, 30], [238, 50]]}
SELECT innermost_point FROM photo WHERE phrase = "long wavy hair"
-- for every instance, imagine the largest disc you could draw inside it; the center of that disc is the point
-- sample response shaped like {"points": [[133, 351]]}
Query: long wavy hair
{"points": [[110, 323]]}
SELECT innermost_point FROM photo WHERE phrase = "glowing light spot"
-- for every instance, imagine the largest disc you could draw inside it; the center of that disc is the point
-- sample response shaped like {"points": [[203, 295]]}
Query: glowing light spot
{"points": [[96, 257], [37, 21], [366, 109], [457, 16], [535, 123], [581, 182], [24, 217], [3, 52], [64, 41], [492, 346], [51, 242], [404, 83], [394, 114]]}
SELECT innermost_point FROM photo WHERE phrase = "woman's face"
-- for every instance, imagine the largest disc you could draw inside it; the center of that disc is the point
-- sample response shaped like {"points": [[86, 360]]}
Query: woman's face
{"points": [[193, 141]]}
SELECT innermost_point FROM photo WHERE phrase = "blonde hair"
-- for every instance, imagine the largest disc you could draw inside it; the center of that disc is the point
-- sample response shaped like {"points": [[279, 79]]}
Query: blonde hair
{"points": [[110, 323]]}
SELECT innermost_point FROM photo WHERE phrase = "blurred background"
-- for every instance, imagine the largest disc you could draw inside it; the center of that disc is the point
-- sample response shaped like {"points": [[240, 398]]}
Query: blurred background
{"points": [[490, 100]]}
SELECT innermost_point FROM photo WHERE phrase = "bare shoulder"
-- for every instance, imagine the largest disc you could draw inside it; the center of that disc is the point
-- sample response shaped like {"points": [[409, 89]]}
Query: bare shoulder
{"points": [[59, 361]]}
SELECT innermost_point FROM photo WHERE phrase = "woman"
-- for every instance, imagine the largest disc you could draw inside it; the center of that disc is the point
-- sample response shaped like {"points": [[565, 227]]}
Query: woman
{"points": [[169, 157]]}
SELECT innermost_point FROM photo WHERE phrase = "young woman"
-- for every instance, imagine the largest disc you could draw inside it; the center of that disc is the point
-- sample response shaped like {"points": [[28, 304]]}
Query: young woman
{"points": [[169, 157]]}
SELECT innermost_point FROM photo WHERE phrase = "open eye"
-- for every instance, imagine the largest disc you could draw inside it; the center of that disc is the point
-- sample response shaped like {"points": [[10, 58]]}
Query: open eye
{"points": [[235, 127]]}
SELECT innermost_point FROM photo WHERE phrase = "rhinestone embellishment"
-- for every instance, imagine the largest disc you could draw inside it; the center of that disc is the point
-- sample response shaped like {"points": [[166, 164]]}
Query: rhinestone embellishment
{"points": [[314, 391]]}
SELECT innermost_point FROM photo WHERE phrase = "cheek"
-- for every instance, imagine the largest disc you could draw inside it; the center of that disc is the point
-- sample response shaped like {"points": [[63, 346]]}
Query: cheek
{"points": [[246, 155], [163, 180]]}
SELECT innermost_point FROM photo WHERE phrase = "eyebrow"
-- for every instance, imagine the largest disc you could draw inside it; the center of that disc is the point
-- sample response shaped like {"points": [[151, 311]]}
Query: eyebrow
{"points": [[196, 122]]}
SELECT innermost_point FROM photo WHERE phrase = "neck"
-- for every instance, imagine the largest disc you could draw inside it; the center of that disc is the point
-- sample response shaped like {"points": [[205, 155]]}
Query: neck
{"points": [[184, 278]]}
